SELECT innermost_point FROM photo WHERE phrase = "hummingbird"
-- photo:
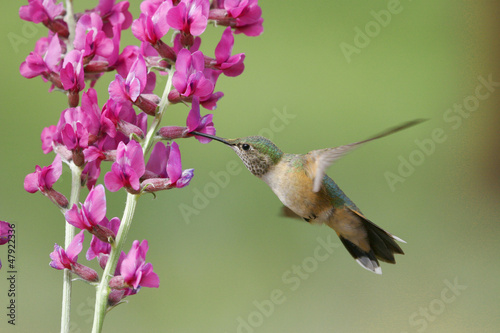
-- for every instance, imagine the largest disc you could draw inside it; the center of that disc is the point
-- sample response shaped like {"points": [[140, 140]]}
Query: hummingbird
{"points": [[301, 184]]}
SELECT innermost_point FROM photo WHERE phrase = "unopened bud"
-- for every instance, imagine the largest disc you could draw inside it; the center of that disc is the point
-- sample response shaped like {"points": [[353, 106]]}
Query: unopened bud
{"points": [[103, 233], [86, 273], [148, 103], [97, 66], [103, 260], [172, 132], [127, 129], [56, 197], [118, 282], [115, 297], [165, 51], [73, 99]]}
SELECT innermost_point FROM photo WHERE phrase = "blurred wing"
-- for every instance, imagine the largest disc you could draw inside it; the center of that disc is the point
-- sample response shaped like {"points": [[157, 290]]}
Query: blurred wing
{"points": [[323, 158]]}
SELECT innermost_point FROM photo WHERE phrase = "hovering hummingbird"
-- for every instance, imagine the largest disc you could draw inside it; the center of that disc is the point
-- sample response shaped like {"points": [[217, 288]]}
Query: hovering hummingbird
{"points": [[300, 182]]}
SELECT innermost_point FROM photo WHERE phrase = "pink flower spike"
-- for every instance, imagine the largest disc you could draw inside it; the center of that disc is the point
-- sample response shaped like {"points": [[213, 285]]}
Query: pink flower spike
{"points": [[127, 169]]}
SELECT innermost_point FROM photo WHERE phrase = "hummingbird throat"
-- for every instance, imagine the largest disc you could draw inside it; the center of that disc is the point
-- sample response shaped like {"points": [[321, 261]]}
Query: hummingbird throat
{"points": [[258, 164]]}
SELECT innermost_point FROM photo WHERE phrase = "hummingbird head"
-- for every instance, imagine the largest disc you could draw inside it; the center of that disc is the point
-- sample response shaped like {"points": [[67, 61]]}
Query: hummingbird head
{"points": [[257, 153]]}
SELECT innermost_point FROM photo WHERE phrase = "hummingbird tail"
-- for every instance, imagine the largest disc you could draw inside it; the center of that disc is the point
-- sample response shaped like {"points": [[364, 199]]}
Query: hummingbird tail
{"points": [[382, 246]]}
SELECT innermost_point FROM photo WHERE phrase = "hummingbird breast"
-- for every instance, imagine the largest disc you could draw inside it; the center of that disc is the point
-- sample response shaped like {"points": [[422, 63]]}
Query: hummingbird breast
{"points": [[291, 182]]}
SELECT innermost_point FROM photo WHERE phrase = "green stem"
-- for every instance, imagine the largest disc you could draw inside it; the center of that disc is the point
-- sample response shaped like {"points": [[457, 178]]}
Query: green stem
{"points": [[103, 289], [69, 234], [69, 18], [76, 172], [155, 125]]}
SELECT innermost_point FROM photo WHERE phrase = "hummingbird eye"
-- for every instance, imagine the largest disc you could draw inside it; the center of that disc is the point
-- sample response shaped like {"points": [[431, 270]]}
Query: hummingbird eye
{"points": [[245, 146]]}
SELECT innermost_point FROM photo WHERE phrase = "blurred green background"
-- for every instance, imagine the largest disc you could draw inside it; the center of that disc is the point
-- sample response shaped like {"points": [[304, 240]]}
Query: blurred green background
{"points": [[221, 267]]}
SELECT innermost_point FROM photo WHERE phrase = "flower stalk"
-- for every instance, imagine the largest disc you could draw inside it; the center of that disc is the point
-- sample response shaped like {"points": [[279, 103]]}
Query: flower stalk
{"points": [[78, 50], [69, 234]]}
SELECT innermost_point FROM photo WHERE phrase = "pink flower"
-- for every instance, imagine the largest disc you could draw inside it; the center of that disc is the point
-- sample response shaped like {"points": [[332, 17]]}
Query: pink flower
{"points": [[91, 215], [157, 163], [47, 64], [90, 39], [230, 65], [5, 232], [43, 179], [149, 7], [101, 249], [189, 78], [210, 101], [243, 15], [38, 11], [67, 259], [127, 169], [72, 75], [46, 12], [200, 124], [114, 15], [75, 135], [151, 28], [138, 82], [189, 16], [164, 169], [134, 271], [128, 90]]}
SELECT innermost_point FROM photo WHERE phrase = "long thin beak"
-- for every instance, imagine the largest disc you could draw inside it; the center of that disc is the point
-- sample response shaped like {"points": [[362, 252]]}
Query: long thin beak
{"points": [[213, 137]]}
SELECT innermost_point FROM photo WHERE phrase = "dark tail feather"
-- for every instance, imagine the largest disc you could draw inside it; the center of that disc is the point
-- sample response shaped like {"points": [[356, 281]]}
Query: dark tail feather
{"points": [[367, 260], [382, 246]]}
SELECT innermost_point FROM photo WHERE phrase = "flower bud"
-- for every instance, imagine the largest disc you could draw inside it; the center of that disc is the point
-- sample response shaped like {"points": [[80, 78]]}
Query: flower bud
{"points": [[86, 273], [56, 197], [73, 98], [97, 66], [115, 297], [103, 260], [156, 184], [118, 282], [165, 51], [148, 103], [59, 27], [172, 132], [127, 129], [103, 233]]}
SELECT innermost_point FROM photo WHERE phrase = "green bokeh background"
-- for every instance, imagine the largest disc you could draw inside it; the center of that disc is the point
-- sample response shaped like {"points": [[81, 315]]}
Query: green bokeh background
{"points": [[235, 252]]}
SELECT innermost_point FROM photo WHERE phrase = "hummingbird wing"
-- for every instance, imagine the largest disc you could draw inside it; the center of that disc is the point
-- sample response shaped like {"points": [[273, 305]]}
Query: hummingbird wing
{"points": [[323, 158]]}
